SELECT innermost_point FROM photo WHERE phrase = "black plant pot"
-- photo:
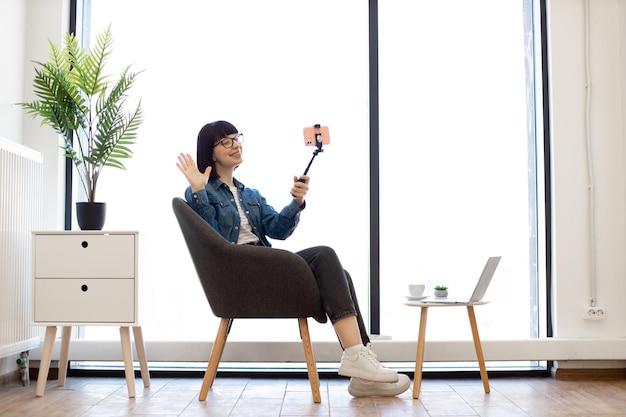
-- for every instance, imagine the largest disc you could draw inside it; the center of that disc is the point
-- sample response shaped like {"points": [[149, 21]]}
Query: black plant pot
{"points": [[91, 215]]}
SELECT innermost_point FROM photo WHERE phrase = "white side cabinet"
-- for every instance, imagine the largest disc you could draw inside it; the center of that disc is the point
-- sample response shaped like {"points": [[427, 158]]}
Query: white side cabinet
{"points": [[84, 278]]}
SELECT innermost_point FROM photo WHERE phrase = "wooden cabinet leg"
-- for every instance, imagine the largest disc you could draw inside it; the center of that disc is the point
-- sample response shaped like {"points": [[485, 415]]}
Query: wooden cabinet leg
{"points": [[141, 355], [66, 335], [419, 357], [44, 364], [127, 354]]}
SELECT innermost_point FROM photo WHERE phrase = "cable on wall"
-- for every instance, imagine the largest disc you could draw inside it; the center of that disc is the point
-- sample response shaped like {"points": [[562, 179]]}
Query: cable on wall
{"points": [[590, 166]]}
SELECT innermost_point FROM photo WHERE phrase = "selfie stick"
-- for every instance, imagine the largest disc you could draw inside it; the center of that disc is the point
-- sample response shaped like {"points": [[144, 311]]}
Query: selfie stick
{"points": [[318, 143]]}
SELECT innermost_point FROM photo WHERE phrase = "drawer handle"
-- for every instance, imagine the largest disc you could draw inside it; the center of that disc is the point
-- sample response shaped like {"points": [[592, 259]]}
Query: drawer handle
{"points": [[84, 244], [84, 288]]}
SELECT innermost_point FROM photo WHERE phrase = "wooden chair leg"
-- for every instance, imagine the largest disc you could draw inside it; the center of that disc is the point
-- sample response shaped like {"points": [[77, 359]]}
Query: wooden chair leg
{"points": [[216, 356], [310, 359]]}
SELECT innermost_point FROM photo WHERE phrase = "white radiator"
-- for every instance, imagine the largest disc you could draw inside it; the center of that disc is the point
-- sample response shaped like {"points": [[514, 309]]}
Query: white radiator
{"points": [[21, 212]]}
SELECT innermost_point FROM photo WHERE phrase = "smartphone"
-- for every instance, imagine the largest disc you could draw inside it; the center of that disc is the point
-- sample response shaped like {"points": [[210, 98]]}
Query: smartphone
{"points": [[311, 135]]}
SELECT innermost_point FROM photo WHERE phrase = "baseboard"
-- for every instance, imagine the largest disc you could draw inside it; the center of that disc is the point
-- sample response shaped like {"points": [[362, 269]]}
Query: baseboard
{"points": [[53, 373], [10, 378], [566, 374], [15, 377]]}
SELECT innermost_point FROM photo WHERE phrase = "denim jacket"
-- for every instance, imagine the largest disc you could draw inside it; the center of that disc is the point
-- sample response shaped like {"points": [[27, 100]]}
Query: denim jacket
{"points": [[215, 204]]}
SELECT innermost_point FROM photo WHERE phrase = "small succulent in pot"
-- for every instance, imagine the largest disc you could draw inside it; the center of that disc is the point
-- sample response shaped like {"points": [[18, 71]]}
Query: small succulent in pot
{"points": [[441, 291]]}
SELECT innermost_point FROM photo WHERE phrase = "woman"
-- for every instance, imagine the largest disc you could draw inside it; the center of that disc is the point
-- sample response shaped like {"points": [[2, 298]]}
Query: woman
{"points": [[242, 216]]}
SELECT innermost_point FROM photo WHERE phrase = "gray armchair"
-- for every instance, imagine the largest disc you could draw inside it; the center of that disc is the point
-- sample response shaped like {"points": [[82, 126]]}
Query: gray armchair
{"points": [[247, 282]]}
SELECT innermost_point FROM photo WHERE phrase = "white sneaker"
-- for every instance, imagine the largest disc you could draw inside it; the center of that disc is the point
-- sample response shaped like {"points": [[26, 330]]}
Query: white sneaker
{"points": [[364, 365], [363, 388]]}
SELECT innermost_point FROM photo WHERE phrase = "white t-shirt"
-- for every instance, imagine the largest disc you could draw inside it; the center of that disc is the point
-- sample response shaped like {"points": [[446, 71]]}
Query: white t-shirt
{"points": [[245, 232]]}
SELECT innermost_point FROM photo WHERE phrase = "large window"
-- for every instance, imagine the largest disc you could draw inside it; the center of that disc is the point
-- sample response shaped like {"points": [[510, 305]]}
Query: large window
{"points": [[458, 166], [270, 68], [457, 162]]}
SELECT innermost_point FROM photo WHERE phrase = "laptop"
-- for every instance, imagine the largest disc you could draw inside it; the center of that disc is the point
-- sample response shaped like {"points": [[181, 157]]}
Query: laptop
{"points": [[479, 290]]}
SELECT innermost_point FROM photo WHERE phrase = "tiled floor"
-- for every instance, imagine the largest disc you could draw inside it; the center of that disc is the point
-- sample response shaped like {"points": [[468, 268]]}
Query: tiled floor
{"points": [[239, 397]]}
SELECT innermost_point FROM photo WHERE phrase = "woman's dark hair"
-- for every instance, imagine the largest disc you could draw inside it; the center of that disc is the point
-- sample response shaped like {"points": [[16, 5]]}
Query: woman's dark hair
{"points": [[208, 136]]}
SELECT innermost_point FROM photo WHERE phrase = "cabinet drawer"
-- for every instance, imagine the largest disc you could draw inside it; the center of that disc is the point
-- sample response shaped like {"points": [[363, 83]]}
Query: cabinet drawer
{"points": [[84, 256], [84, 301]]}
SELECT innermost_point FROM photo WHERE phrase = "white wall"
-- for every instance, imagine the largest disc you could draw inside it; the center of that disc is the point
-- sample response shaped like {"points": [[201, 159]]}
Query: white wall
{"points": [[571, 229], [12, 26], [28, 24], [24, 27], [572, 244]]}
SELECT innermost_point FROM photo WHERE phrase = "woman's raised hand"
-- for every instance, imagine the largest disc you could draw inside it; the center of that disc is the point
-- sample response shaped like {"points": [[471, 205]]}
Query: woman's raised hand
{"points": [[188, 167]]}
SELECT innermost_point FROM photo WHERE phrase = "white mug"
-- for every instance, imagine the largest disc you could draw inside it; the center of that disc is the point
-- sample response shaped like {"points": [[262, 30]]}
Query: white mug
{"points": [[416, 290]]}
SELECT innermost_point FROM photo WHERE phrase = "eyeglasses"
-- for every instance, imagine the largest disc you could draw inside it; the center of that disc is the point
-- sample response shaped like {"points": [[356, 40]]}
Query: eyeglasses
{"points": [[229, 142]]}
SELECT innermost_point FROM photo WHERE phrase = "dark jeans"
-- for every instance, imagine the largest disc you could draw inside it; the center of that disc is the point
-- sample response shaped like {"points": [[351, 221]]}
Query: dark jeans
{"points": [[336, 287]]}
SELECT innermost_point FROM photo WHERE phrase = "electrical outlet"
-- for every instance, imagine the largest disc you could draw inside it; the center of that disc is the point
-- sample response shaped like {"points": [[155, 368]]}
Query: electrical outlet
{"points": [[594, 313]]}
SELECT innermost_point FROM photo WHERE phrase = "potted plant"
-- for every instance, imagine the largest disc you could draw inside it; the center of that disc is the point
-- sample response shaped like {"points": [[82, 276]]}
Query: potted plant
{"points": [[441, 291], [75, 98]]}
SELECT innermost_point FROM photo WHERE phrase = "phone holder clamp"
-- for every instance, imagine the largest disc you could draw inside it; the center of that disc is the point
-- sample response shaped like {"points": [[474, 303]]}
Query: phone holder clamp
{"points": [[318, 143]]}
